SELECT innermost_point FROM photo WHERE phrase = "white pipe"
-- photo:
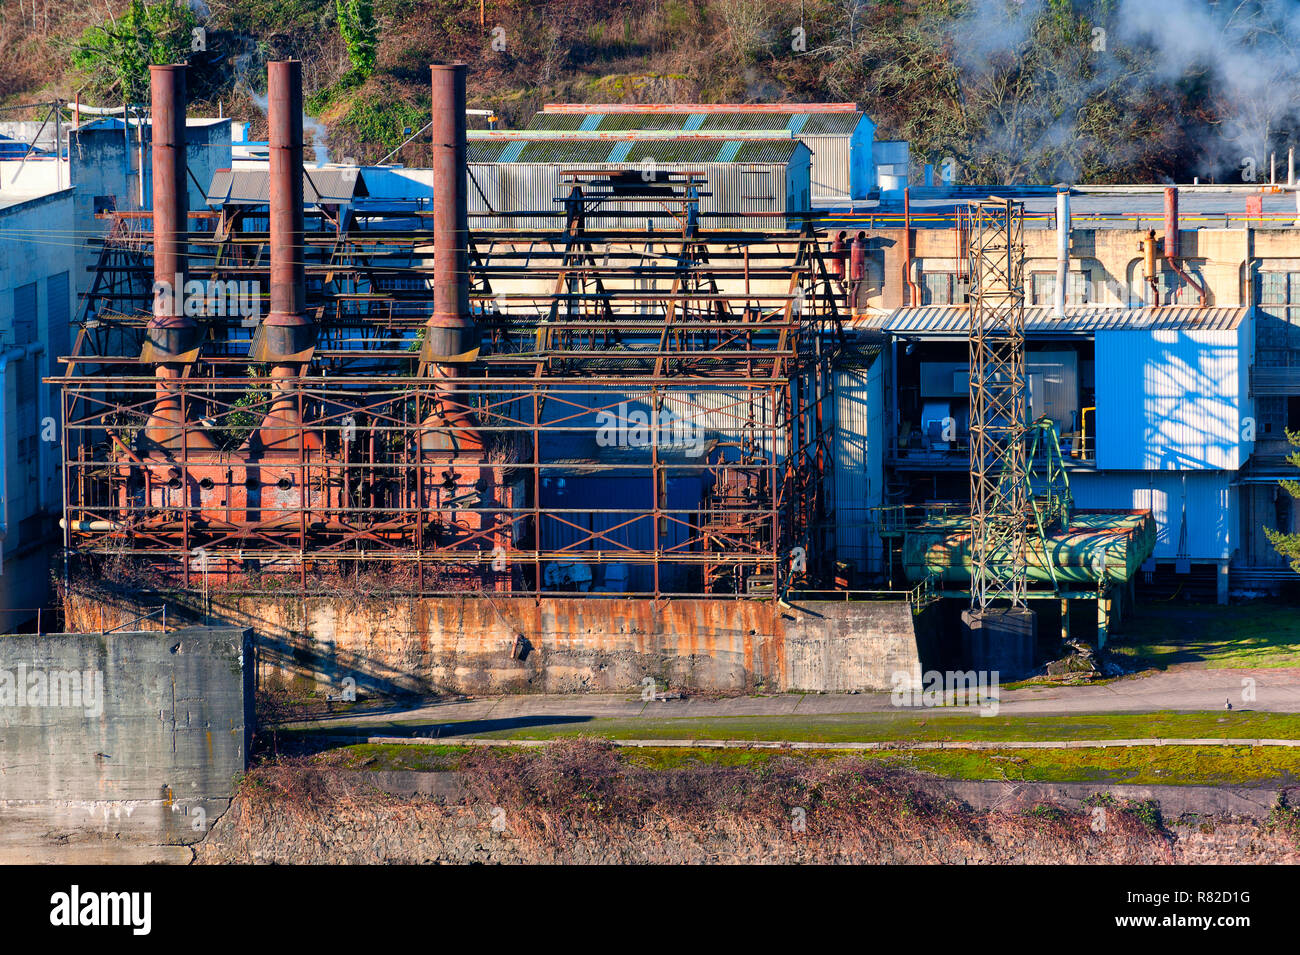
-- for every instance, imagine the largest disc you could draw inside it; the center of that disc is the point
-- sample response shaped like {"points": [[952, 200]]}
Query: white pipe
{"points": [[17, 353], [90, 526], [102, 110], [1062, 251]]}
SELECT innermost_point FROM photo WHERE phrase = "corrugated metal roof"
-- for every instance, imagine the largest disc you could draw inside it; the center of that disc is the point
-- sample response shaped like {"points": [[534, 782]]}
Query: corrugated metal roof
{"points": [[576, 149], [251, 187], [700, 107], [793, 118], [1039, 319]]}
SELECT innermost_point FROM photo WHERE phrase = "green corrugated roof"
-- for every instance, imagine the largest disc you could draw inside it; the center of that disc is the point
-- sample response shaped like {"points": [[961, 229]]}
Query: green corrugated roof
{"points": [[765, 150], [566, 150], [575, 149], [830, 124], [809, 124], [747, 121], [559, 121], [480, 150]]}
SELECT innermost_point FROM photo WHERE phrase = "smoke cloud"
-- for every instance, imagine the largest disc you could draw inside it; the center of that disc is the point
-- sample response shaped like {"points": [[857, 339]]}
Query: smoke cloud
{"points": [[1238, 57]]}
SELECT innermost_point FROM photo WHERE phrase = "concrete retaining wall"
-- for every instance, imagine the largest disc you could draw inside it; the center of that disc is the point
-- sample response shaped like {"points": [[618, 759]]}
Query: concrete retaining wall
{"points": [[464, 644], [133, 756]]}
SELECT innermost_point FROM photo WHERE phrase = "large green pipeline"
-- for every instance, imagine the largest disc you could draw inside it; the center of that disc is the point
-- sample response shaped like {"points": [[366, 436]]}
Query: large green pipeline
{"points": [[1113, 543]]}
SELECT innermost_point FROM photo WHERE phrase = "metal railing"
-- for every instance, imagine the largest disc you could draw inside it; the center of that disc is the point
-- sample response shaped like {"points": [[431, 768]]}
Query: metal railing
{"points": [[156, 611], [43, 614]]}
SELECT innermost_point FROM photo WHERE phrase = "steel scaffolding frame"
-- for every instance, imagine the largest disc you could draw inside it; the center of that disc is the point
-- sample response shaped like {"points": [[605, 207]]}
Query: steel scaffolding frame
{"points": [[1000, 504], [726, 335]]}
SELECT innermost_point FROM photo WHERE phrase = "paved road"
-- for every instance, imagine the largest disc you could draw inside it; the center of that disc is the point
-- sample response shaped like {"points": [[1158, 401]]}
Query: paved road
{"points": [[1183, 688]]}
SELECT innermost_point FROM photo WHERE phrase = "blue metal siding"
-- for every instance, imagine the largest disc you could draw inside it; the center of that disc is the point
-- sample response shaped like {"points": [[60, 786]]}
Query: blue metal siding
{"points": [[1198, 508], [859, 402], [628, 493], [862, 167], [1172, 400]]}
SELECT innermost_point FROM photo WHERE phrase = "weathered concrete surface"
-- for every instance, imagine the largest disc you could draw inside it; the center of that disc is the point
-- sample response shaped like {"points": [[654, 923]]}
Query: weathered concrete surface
{"points": [[392, 645], [141, 763], [1000, 641]]}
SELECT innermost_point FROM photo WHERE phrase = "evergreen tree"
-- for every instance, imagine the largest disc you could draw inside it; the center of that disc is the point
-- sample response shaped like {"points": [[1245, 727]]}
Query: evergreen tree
{"points": [[1288, 545]]}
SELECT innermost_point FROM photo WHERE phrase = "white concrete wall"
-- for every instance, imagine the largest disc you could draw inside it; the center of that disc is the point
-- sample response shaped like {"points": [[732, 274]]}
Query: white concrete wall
{"points": [[36, 243]]}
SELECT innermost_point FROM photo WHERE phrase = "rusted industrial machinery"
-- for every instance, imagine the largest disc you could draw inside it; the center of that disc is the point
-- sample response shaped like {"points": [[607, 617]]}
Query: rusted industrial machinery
{"points": [[593, 406]]}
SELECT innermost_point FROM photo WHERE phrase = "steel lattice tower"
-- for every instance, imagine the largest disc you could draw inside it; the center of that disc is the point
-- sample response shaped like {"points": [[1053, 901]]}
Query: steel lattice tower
{"points": [[1000, 511]]}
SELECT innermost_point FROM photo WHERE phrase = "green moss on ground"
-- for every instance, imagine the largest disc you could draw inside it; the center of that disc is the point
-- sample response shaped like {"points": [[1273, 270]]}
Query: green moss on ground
{"points": [[1171, 766], [1254, 634], [876, 727]]}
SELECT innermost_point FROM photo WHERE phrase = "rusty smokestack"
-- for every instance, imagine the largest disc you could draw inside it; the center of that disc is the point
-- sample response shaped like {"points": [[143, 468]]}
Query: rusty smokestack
{"points": [[170, 200], [288, 329], [1171, 222], [451, 335], [287, 337], [451, 331], [171, 336]]}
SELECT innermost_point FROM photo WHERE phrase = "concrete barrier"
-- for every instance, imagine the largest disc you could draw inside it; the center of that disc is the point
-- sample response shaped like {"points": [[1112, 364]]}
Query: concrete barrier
{"points": [[120, 747], [472, 644]]}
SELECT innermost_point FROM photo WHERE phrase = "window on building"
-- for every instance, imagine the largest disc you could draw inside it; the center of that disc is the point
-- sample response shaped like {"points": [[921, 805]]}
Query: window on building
{"points": [[944, 288], [1042, 287], [1279, 288], [1080, 287], [936, 288], [24, 334], [410, 305], [1175, 290]]}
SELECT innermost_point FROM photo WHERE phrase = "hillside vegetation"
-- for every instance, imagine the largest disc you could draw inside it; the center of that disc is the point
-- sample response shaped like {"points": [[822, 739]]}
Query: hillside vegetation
{"points": [[1001, 90]]}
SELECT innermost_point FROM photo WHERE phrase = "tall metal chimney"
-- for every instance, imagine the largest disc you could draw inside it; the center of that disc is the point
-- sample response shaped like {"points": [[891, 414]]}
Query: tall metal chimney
{"points": [[288, 329], [451, 331], [1171, 222], [451, 335], [172, 337], [287, 337], [170, 204]]}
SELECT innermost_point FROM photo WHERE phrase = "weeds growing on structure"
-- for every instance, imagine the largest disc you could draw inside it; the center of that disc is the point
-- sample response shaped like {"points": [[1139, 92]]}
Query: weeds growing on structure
{"points": [[584, 793], [1285, 819]]}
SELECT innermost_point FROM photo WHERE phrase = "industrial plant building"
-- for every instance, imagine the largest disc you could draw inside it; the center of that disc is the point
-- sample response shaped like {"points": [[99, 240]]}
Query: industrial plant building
{"points": [[839, 136], [651, 353]]}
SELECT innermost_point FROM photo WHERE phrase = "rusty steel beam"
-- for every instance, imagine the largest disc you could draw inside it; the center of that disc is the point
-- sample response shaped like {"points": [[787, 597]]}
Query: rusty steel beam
{"points": [[410, 473]]}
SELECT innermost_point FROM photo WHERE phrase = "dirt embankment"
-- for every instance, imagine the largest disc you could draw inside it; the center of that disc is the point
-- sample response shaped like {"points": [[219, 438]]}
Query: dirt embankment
{"points": [[575, 803]]}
